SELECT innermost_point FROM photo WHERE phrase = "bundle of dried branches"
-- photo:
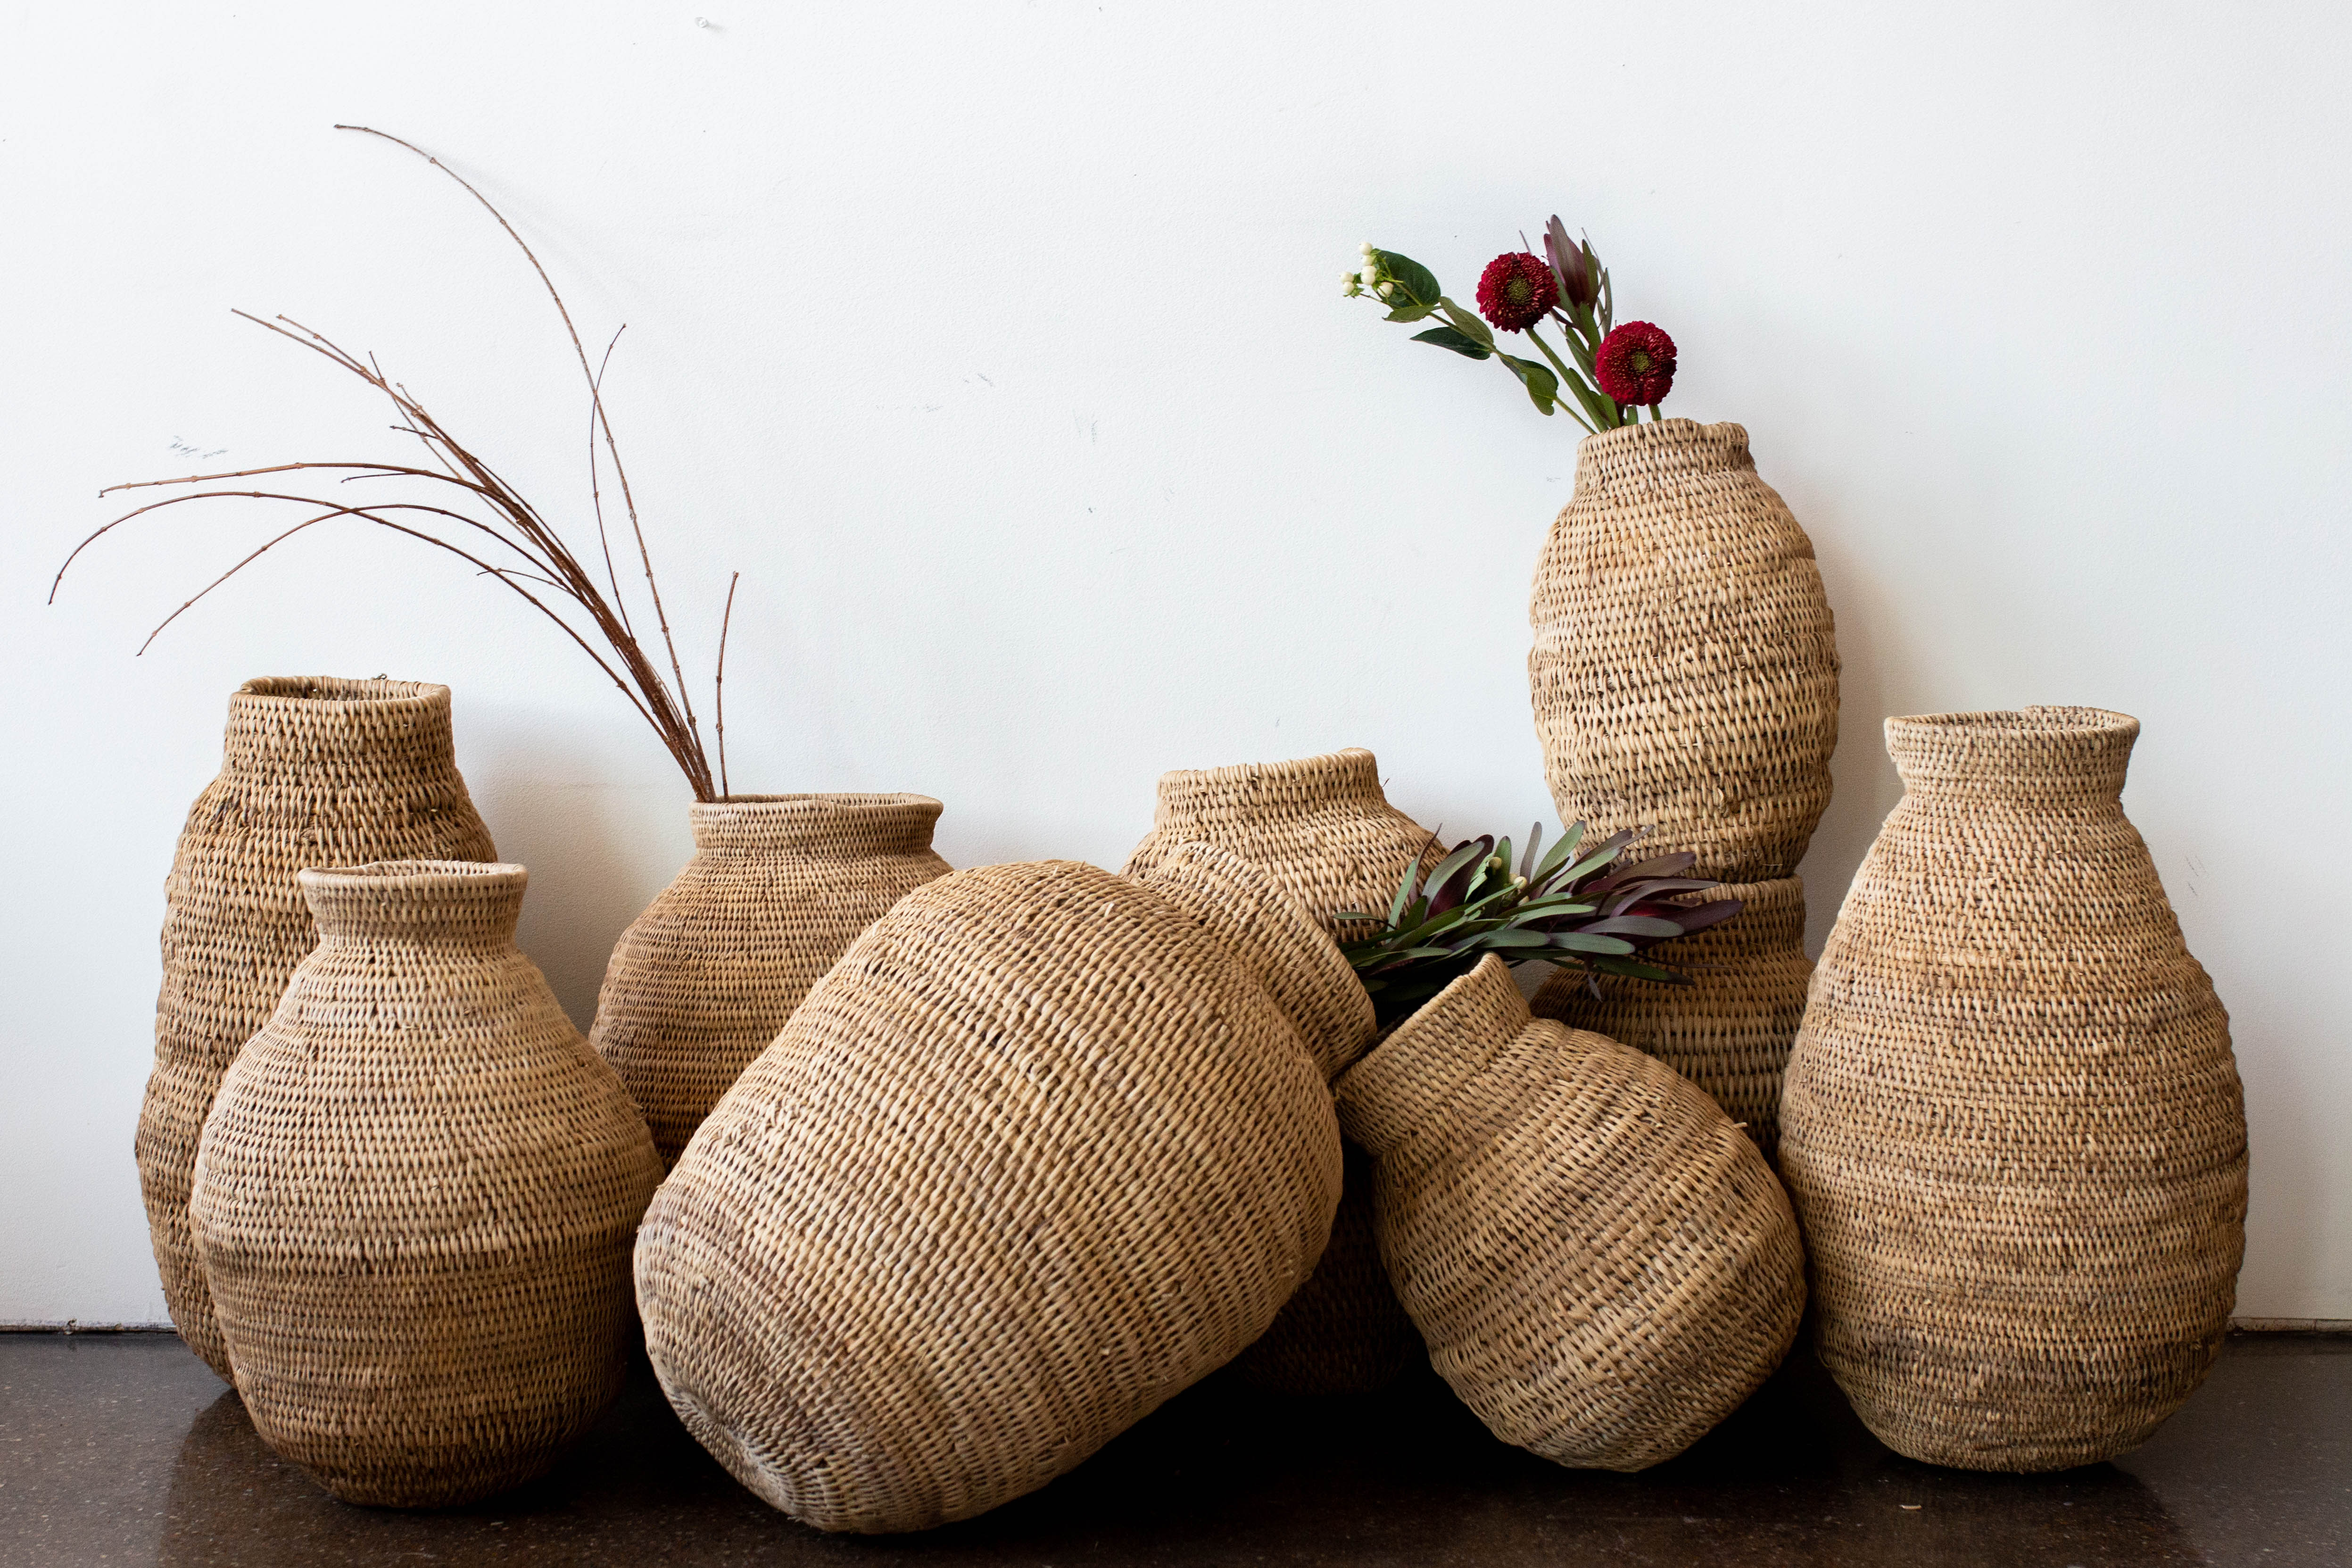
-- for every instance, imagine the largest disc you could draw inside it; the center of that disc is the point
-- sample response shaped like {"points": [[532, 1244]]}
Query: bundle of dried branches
{"points": [[517, 544]]}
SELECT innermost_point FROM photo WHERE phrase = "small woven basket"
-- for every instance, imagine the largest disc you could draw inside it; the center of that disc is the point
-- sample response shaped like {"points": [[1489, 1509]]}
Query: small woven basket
{"points": [[1601, 1264], [1045, 1147], [1322, 829], [315, 771], [415, 1196], [778, 888], [1730, 1029], [2014, 1126], [1684, 671]]}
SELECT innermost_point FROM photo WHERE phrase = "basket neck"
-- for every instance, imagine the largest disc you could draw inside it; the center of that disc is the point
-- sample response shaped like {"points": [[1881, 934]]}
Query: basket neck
{"points": [[433, 901], [1272, 933], [816, 827], [1253, 792], [2050, 756], [1643, 459], [1407, 1080], [383, 729]]}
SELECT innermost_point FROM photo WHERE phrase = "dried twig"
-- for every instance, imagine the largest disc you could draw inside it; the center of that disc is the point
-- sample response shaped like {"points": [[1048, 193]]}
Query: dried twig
{"points": [[512, 522]]}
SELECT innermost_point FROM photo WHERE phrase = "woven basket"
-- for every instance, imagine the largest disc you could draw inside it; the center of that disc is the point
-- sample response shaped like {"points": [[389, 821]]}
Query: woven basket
{"points": [[315, 771], [1730, 1029], [415, 1196], [1601, 1262], [1323, 830], [2013, 1127], [779, 886], [1684, 672], [1045, 1147]]}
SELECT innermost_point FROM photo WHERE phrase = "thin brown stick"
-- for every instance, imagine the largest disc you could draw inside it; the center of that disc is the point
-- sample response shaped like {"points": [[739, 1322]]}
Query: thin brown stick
{"points": [[595, 396], [718, 684]]}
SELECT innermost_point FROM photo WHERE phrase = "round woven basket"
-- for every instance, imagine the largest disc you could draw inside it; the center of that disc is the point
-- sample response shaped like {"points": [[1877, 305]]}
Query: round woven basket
{"points": [[779, 886], [1684, 672], [1045, 1147], [1601, 1262], [314, 771], [1730, 1029], [2013, 1127], [1322, 829], [415, 1196]]}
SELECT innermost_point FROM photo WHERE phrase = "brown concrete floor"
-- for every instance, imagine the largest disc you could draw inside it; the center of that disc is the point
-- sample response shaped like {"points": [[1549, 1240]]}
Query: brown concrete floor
{"points": [[123, 1450]]}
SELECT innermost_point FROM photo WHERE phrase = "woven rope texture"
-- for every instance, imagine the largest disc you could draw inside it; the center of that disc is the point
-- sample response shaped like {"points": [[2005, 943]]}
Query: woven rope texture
{"points": [[315, 771], [1322, 829], [1730, 1030], [1684, 671], [779, 886], [1602, 1264], [2014, 1126], [415, 1196], [1040, 1152]]}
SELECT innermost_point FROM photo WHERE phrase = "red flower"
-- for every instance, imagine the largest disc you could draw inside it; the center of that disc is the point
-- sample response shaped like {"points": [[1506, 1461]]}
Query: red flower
{"points": [[1635, 364], [1516, 290]]}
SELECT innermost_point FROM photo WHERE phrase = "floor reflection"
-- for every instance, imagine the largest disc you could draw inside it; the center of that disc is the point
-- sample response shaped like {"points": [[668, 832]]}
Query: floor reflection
{"points": [[1222, 1475]]}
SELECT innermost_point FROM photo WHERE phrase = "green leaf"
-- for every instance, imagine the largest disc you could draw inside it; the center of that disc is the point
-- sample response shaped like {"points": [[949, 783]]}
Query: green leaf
{"points": [[1543, 387], [1472, 327], [1516, 938], [1447, 338], [1409, 313], [1576, 942], [1413, 280], [1561, 851], [1453, 863]]}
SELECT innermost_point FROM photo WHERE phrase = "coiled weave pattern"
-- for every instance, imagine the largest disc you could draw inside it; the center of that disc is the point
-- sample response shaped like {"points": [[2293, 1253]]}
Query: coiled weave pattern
{"points": [[314, 771], [415, 1196], [1323, 829], [1684, 671], [2013, 1127], [779, 886], [1730, 1030], [1045, 1147], [1601, 1262]]}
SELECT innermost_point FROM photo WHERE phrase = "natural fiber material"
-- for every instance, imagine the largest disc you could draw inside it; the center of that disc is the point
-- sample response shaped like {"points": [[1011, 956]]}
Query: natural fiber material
{"points": [[1601, 1262], [1046, 1146], [415, 1196], [1685, 668], [1729, 1030], [2013, 1127], [779, 886], [315, 771], [1321, 827]]}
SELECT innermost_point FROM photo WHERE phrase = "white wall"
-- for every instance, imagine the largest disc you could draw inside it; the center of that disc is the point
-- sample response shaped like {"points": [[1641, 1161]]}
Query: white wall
{"points": [[999, 346]]}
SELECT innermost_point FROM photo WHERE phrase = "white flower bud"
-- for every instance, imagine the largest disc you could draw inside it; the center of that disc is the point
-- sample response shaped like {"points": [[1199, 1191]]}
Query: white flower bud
{"points": [[1365, 249], [1387, 290], [1370, 275]]}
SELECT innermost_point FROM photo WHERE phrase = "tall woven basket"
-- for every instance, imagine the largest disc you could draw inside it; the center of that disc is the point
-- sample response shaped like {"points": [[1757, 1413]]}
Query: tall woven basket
{"points": [[1045, 1147], [1729, 1031], [779, 886], [2014, 1126], [415, 1196], [1684, 672], [1602, 1264], [315, 771], [1322, 829]]}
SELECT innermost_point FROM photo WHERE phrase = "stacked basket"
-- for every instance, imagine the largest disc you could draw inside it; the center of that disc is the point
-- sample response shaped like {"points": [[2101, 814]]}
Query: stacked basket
{"points": [[1685, 677]]}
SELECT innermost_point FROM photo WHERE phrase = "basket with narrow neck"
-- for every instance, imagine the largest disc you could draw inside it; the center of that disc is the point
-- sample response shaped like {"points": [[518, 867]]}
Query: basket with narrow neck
{"points": [[779, 885], [315, 771], [2013, 1124], [1684, 670], [442, 1300], [1043, 1148], [1322, 829], [1551, 1204]]}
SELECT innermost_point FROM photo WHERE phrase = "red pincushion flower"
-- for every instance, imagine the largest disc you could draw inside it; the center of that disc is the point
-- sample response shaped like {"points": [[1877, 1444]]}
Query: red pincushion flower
{"points": [[1516, 290], [1635, 364]]}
